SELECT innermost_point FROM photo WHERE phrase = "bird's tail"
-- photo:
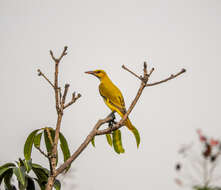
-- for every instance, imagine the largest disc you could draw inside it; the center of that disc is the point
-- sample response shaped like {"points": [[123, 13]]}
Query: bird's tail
{"points": [[133, 130]]}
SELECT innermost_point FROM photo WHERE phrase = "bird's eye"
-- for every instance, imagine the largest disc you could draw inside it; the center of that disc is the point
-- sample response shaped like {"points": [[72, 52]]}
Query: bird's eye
{"points": [[98, 71]]}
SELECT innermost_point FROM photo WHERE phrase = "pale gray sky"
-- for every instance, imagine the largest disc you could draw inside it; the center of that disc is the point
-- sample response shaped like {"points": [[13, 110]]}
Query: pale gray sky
{"points": [[168, 34]]}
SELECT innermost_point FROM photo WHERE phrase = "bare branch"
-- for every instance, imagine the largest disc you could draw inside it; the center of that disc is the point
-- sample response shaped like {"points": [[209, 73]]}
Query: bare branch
{"points": [[167, 79], [63, 53], [65, 94], [42, 152], [83, 145], [52, 56], [59, 95], [61, 56], [42, 74], [124, 67], [74, 99]]}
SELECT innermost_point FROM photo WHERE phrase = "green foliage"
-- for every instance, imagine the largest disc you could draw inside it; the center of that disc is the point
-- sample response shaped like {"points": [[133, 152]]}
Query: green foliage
{"points": [[28, 144], [136, 135], [37, 140], [117, 143], [57, 185], [20, 174], [23, 167], [49, 139], [25, 182], [109, 139], [93, 142], [30, 183], [64, 148]]}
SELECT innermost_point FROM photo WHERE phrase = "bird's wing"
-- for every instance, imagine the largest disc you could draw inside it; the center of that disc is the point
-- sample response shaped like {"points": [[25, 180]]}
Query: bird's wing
{"points": [[113, 95]]}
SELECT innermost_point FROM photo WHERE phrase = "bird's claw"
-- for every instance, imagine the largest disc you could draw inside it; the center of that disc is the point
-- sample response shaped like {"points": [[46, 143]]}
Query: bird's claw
{"points": [[112, 121]]}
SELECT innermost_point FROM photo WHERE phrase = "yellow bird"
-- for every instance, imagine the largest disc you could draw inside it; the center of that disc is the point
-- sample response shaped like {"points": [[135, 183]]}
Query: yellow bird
{"points": [[113, 98]]}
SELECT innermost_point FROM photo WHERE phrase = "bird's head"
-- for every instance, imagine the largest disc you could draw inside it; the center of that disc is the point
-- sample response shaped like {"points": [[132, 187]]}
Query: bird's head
{"points": [[98, 73]]}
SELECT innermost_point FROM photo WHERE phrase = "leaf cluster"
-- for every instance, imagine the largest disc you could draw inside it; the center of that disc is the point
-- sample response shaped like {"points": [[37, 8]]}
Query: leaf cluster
{"points": [[21, 169]]}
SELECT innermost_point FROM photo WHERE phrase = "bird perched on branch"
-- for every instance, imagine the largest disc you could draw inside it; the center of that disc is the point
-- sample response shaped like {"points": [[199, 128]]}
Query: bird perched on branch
{"points": [[113, 98]]}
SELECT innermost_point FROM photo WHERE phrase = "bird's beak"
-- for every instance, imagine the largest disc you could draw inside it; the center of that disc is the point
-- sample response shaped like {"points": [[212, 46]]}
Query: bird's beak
{"points": [[89, 72]]}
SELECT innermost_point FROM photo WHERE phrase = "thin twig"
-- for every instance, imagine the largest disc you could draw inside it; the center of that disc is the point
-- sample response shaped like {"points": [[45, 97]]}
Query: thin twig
{"points": [[73, 100], [59, 95], [167, 79], [65, 94], [124, 67], [42, 74], [42, 152]]}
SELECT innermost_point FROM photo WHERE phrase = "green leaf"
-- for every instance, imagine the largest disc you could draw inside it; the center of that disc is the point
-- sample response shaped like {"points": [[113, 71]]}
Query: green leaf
{"points": [[7, 180], [64, 148], [30, 183], [136, 135], [57, 185], [5, 167], [41, 173], [47, 141], [37, 140], [20, 174], [42, 185], [117, 143], [93, 142], [109, 139], [28, 165], [28, 144]]}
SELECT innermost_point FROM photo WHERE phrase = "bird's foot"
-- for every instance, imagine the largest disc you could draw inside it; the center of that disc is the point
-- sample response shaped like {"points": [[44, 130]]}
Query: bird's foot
{"points": [[112, 121]]}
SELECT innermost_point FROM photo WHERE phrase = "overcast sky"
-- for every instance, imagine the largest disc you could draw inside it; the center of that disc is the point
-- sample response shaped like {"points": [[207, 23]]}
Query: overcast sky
{"points": [[101, 34]]}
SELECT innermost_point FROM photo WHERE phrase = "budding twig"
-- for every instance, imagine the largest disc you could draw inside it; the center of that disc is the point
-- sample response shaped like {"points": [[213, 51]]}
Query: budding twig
{"points": [[73, 100]]}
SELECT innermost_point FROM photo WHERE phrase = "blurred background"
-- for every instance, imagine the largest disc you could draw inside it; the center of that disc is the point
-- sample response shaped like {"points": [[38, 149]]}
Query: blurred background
{"points": [[168, 35]]}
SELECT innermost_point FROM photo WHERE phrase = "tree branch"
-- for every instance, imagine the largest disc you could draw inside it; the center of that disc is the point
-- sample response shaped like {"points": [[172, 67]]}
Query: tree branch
{"points": [[42, 152], [74, 99], [59, 109], [167, 79], [65, 94], [42, 74], [83, 145], [124, 67]]}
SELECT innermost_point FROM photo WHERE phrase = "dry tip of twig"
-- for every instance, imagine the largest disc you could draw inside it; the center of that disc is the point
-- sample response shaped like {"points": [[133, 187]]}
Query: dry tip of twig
{"points": [[67, 85], [79, 95], [52, 55], [39, 72], [73, 95], [151, 71]]}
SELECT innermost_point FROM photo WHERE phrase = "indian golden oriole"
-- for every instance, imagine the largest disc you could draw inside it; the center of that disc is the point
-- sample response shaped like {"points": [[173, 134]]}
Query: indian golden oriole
{"points": [[113, 98]]}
